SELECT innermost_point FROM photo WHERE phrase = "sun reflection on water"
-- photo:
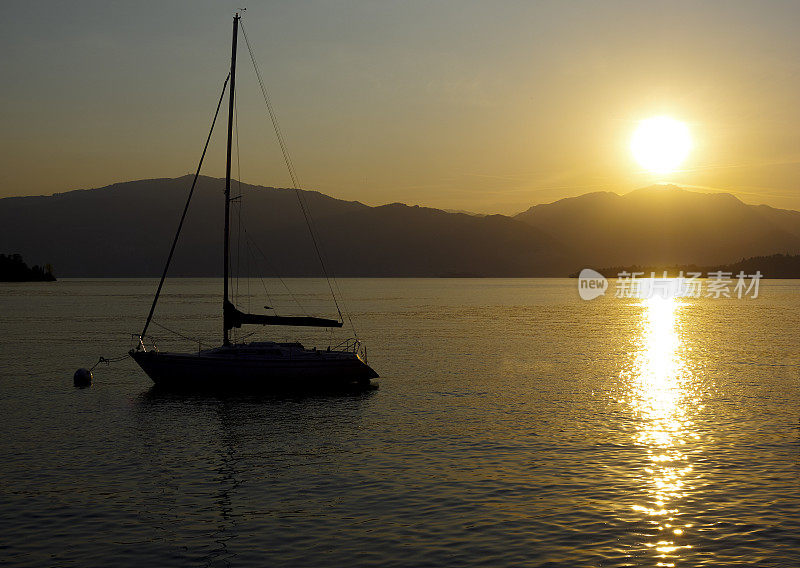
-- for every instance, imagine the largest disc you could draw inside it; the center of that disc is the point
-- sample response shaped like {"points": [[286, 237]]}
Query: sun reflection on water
{"points": [[660, 399]]}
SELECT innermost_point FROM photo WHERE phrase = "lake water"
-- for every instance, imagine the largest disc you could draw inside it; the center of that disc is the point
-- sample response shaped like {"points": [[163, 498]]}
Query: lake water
{"points": [[515, 425]]}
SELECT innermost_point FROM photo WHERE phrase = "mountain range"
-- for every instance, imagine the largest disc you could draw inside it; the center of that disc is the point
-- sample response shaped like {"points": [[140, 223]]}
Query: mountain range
{"points": [[125, 229]]}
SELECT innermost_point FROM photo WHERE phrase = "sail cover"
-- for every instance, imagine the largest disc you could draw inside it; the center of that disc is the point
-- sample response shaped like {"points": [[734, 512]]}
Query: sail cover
{"points": [[235, 318]]}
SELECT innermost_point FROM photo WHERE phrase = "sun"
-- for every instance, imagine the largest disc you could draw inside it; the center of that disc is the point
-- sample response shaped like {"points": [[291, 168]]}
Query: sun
{"points": [[661, 143]]}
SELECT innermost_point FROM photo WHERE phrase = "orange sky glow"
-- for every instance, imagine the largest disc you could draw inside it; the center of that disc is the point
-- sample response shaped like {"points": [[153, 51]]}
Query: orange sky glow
{"points": [[488, 107]]}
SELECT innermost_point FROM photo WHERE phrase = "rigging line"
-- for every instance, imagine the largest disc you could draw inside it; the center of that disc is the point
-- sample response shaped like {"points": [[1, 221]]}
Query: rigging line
{"points": [[194, 339], [346, 309], [321, 253], [271, 303], [266, 291], [185, 209], [239, 188], [312, 229], [107, 361], [287, 158], [251, 334], [277, 275], [247, 259]]}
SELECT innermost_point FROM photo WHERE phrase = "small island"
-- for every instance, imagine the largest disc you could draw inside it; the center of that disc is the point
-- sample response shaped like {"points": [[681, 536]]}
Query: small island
{"points": [[14, 269]]}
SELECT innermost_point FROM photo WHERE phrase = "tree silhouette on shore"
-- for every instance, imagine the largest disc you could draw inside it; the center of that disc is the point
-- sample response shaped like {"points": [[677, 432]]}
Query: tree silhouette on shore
{"points": [[14, 269]]}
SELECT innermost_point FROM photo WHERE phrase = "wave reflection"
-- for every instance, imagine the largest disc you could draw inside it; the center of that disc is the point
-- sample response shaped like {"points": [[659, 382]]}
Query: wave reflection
{"points": [[660, 397]]}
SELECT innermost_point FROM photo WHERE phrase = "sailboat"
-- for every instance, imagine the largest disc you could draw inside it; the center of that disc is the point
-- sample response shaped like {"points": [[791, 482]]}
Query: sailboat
{"points": [[256, 365]]}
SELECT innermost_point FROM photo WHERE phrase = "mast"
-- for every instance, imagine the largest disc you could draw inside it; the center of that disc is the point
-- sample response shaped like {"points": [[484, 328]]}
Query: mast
{"points": [[226, 262]]}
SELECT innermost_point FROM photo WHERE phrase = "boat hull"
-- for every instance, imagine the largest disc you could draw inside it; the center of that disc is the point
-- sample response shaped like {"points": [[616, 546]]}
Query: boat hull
{"points": [[215, 370]]}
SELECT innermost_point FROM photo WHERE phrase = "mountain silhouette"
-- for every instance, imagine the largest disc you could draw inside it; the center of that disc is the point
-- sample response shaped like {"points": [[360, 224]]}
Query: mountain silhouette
{"points": [[665, 225], [125, 229]]}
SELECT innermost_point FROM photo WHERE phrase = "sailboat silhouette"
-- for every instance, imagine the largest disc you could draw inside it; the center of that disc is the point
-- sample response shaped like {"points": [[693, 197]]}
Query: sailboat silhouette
{"points": [[262, 365]]}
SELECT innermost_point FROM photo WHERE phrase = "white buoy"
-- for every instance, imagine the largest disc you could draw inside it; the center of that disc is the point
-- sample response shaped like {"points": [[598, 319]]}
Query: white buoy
{"points": [[82, 378]]}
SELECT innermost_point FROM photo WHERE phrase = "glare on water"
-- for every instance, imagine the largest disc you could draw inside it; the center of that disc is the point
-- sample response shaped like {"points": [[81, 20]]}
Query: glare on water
{"points": [[660, 387]]}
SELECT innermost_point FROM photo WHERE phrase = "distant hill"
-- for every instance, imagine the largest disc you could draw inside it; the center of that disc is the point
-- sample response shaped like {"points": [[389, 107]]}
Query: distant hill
{"points": [[125, 230], [773, 266], [665, 226], [14, 269]]}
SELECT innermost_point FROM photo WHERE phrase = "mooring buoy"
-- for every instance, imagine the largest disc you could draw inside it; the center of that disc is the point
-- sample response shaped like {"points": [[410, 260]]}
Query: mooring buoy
{"points": [[82, 378]]}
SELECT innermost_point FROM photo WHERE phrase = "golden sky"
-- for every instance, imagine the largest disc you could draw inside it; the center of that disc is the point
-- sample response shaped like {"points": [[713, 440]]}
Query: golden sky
{"points": [[482, 106]]}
